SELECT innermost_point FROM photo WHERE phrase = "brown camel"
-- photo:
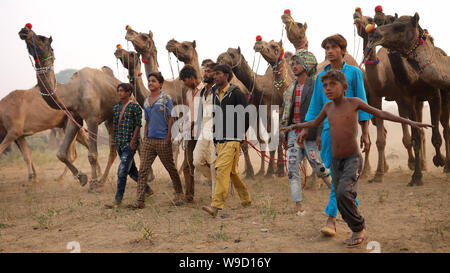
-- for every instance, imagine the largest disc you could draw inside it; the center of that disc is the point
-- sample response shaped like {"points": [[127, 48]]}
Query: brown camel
{"points": [[296, 34], [89, 95], [273, 53], [24, 113], [431, 64], [259, 86], [381, 82]]}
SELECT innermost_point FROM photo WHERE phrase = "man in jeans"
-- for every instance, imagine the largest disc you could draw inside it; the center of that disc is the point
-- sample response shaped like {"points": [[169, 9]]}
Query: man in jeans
{"points": [[296, 102], [126, 125]]}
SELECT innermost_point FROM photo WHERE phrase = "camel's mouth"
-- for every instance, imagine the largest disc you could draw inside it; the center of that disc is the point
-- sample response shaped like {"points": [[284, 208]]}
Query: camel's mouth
{"points": [[375, 41], [23, 33], [286, 19], [131, 35], [118, 53]]}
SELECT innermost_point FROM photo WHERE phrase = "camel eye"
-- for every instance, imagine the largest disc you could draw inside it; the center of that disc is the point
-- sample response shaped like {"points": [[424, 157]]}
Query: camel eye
{"points": [[231, 55], [144, 37], [185, 46]]}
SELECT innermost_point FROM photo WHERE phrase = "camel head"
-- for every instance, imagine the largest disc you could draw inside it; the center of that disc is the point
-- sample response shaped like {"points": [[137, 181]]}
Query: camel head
{"points": [[129, 59], [271, 51], [382, 19], [184, 51], [40, 47], [360, 21], [401, 35], [231, 57], [143, 42], [295, 32]]}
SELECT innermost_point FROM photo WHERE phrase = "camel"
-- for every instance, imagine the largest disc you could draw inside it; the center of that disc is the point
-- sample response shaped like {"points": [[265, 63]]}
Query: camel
{"points": [[89, 95], [381, 82], [273, 53], [260, 88], [431, 64], [24, 113], [296, 34]]}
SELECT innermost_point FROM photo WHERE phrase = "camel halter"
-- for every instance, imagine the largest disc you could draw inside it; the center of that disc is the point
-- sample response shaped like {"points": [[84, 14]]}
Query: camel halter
{"points": [[52, 95]]}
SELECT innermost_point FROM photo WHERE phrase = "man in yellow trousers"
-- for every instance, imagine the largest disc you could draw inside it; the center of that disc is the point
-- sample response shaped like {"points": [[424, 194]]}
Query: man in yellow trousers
{"points": [[227, 138]]}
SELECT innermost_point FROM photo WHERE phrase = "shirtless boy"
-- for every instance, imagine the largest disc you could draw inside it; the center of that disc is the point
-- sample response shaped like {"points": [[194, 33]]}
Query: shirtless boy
{"points": [[342, 114]]}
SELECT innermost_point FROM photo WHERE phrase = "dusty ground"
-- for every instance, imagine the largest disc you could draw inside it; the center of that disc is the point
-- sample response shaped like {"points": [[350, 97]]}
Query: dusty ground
{"points": [[46, 216]]}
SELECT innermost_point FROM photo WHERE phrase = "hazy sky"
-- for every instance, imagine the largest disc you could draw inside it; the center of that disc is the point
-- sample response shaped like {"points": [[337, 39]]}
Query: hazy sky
{"points": [[85, 33]]}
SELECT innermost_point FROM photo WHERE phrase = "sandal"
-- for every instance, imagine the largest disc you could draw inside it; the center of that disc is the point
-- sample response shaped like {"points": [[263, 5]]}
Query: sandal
{"points": [[328, 231], [354, 242], [300, 213]]}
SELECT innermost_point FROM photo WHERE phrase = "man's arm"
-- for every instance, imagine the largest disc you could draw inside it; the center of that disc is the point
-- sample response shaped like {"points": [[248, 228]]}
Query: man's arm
{"points": [[309, 124], [386, 115]]}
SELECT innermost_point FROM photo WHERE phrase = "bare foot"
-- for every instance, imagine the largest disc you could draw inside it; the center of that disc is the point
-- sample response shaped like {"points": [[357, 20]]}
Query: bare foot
{"points": [[299, 211]]}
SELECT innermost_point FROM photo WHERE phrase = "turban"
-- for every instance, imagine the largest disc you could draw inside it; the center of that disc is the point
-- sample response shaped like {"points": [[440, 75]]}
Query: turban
{"points": [[308, 61]]}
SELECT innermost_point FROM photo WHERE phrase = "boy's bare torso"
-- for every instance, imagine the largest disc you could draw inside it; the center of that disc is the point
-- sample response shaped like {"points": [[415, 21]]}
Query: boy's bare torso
{"points": [[343, 121]]}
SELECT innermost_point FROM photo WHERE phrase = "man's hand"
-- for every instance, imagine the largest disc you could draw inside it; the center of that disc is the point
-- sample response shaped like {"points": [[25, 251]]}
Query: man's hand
{"points": [[365, 142], [301, 137], [319, 142], [286, 129], [419, 125]]}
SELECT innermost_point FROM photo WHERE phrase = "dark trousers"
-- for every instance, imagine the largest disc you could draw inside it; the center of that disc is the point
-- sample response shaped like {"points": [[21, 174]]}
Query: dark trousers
{"points": [[126, 167], [188, 167], [345, 173]]}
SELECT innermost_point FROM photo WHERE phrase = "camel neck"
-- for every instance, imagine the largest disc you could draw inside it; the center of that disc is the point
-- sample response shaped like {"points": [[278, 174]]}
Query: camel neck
{"points": [[140, 92], [150, 63], [47, 84], [280, 77], [244, 74], [196, 64]]}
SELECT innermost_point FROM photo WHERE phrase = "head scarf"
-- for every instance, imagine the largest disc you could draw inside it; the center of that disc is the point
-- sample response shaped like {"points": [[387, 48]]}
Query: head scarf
{"points": [[308, 61]]}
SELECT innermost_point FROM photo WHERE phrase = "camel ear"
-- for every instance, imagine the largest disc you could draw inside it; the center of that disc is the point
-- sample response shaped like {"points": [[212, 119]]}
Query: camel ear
{"points": [[415, 19], [150, 33], [239, 49], [194, 44], [396, 16], [50, 40], [305, 25]]}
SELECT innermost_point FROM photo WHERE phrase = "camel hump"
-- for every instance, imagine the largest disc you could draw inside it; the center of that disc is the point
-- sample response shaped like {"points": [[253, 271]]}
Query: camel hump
{"points": [[108, 70]]}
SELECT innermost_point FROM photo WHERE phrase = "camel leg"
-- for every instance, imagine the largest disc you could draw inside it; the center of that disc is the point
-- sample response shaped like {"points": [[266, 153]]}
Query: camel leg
{"points": [[111, 158], [436, 139], [423, 152], [404, 112], [416, 179], [249, 172], [381, 145], [445, 116], [23, 147], [280, 163], [69, 136], [72, 156], [83, 139]]}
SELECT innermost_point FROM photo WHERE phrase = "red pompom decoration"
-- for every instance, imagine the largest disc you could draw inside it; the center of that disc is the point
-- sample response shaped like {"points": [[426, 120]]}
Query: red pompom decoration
{"points": [[378, 8], [358, 9], [140, 74], [287, 11], [426, 31], [28, 25], [127, 27], [145, 61], [119, 46], [421, 41], [258, 38]]}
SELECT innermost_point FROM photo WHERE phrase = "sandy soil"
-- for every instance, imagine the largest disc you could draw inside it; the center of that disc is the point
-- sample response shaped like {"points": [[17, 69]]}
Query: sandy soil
{"points": [[46, 216]]}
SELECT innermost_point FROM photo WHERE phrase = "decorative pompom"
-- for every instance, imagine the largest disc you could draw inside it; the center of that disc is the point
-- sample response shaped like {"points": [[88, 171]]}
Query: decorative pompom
{"points": [[140, 74], [421, 41], [426, 32], [145, 61], [258, 38], [378, 8], [287, 11], [119, 46], [370, 28], [28, 25], [358, 9]]}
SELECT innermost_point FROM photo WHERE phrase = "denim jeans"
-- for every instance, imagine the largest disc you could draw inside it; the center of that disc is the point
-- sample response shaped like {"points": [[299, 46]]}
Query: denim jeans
{"points": [[126, 167], [295, 155]]}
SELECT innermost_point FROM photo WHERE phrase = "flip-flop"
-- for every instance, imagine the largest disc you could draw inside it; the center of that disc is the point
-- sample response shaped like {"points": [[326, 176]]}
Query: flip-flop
{"points": [[328, 231], [301, 213], [354, 242]]}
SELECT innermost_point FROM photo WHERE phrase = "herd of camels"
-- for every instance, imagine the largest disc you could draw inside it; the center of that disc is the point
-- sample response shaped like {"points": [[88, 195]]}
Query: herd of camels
{"points": [[408, 69]]}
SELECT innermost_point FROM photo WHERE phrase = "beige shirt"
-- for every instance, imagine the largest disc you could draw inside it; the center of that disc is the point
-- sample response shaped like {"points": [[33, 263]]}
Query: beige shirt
{"points": [[193, 102], [207, 120]]}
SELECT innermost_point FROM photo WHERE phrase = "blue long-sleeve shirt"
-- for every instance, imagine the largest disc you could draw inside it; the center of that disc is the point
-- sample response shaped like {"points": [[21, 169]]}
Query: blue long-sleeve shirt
{"points": [[355, 88]]}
